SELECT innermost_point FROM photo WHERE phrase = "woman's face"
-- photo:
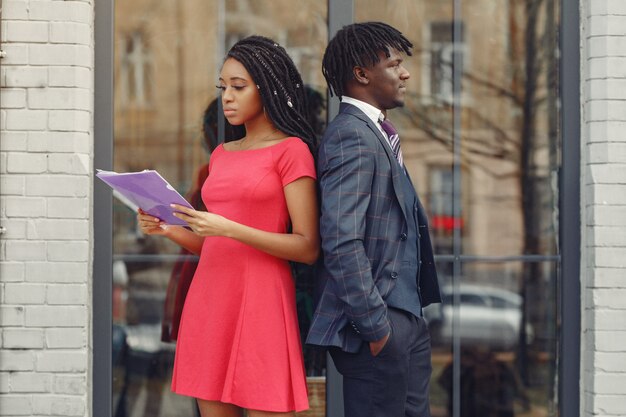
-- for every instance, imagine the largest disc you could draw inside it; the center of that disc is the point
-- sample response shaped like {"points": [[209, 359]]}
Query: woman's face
{"points": [[240, 97]]}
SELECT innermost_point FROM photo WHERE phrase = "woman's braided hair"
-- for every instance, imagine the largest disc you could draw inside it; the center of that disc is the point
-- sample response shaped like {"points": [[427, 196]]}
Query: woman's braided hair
{"points": [[280, 85], [359, 44]]}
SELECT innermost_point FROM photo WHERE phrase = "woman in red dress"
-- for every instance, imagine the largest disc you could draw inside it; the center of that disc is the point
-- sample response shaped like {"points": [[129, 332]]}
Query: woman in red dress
{"points": [[238, 342]]}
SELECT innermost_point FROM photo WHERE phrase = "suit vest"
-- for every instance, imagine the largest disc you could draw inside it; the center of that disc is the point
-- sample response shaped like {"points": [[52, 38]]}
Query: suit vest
{"points": [[405, 294]]}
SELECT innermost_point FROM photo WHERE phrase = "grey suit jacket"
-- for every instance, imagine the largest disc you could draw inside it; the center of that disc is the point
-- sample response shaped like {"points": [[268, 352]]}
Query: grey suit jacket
{"points": [[362, 221]]}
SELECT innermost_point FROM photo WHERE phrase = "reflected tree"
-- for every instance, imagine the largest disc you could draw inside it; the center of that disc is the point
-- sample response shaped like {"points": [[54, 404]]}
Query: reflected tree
{"points": [[528, 138]]}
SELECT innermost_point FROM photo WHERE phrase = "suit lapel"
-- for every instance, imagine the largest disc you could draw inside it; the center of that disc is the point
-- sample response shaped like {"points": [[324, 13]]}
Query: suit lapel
{"points": [[393, 162]]}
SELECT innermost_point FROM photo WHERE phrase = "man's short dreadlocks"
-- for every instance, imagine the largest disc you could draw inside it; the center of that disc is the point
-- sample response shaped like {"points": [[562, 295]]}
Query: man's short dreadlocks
{"points": [[359, 44]]}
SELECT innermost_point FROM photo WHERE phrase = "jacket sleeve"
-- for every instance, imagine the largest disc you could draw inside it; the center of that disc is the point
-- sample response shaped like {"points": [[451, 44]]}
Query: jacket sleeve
{"points": [[346, 167]]}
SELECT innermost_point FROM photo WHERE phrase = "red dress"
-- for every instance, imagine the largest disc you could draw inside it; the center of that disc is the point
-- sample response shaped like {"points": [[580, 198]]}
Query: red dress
{"points": [[238, 340]]}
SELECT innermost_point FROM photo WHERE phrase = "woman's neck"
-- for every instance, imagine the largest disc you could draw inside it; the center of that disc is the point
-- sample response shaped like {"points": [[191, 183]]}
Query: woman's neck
{"points": [[259, 128]]}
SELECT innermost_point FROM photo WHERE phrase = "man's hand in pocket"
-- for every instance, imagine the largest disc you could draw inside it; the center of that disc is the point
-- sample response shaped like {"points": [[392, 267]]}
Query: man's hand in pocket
{"points": [[377, 346]]}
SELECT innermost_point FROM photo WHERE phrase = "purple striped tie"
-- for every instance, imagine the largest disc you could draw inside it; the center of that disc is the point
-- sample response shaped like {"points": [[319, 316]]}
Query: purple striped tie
{"points": [[394, 139]]}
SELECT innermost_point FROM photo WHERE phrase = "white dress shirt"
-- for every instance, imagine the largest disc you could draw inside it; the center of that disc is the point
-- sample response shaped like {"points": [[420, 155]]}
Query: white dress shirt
{"points": [[370, 111]]}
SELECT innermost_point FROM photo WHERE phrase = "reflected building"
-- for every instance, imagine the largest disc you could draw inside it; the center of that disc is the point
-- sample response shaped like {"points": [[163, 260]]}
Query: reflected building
{"points": [[478, 134]]}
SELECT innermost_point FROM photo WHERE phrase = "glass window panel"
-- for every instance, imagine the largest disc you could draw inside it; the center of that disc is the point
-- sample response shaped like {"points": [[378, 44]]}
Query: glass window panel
{"points": [[302, 28], [167, 60], [436, 315], [165, 69], [508, 349], [425, 122], [508, 117], [438, 201], [508, 129], [500, 176], [502, 317]]}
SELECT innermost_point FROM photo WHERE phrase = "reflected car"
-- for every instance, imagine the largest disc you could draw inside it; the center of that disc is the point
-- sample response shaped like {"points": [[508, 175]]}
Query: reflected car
{"points": [[488, 316]]}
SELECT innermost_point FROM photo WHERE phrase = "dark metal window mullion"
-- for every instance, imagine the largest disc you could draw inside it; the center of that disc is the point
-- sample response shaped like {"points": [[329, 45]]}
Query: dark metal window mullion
{"points": [[340, 13], [569, 212], [101, 377]]}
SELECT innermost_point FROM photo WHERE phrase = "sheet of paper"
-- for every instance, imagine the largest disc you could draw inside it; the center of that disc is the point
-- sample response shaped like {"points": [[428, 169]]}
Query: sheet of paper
{"points": [[147, 190]]}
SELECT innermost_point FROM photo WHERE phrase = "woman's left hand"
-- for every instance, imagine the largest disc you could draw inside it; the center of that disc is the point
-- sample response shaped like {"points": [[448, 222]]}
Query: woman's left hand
{"points": [[201, 222]]}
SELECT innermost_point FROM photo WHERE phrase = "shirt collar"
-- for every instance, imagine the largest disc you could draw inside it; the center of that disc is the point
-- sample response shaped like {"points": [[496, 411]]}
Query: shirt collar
{"points": [[370, 111]]}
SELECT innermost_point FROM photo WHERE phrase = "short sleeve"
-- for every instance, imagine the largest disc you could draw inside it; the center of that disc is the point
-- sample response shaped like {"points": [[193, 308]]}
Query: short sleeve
{"points": [[295, 161], [214, 154]]}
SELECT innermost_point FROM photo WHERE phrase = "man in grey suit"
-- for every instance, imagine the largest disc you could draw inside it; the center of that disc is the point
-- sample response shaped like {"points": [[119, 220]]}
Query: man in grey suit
{"points": [[378, 270]]}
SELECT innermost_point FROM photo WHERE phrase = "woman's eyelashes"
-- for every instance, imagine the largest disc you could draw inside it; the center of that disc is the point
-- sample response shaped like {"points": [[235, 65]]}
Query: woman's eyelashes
{"points": [[234, 87]]}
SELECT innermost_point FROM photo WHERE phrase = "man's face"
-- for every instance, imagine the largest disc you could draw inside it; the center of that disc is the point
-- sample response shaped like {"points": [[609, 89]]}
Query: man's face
{"points": [[387, 80]]}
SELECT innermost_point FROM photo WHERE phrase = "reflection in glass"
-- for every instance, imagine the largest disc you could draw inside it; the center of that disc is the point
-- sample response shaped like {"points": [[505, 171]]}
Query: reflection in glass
{"points": [[441, 349], [505, 328], [167, 58], [508, 116], [509, 137], [498, 319], [439, 199], [301, 28]]}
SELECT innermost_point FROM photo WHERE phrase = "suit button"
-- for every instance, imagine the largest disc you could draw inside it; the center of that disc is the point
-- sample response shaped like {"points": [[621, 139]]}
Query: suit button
{"points": [[394, 275], [403, 236]]}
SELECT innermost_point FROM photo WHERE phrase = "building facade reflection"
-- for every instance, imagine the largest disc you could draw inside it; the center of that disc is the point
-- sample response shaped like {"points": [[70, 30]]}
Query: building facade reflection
{"points": [[480, 141]]}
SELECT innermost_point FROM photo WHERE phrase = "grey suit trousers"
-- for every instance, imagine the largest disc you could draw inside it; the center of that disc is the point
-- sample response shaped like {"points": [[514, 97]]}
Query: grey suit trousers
{"points": [[395, 382]]}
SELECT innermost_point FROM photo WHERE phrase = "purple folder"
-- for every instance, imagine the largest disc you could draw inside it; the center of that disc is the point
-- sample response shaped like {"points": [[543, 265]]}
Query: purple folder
{"points": [[147, 190]]}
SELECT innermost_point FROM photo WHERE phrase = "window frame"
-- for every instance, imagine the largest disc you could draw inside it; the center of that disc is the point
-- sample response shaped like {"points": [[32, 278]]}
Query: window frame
{"points": [[341, 13]]}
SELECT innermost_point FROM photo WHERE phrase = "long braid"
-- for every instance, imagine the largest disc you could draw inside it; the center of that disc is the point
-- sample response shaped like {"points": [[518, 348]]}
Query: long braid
{"points": [[359, 45], [280, 85]]}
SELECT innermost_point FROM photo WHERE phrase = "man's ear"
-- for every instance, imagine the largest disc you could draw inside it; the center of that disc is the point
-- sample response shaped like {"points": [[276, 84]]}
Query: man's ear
{"points": [[360, 75]]}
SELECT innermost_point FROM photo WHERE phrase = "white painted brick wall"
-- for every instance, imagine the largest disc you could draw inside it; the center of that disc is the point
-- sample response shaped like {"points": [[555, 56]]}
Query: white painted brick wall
{"points": [[69, 384], [603, 195], [25, 31], [46, 145], [68, 338]]}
